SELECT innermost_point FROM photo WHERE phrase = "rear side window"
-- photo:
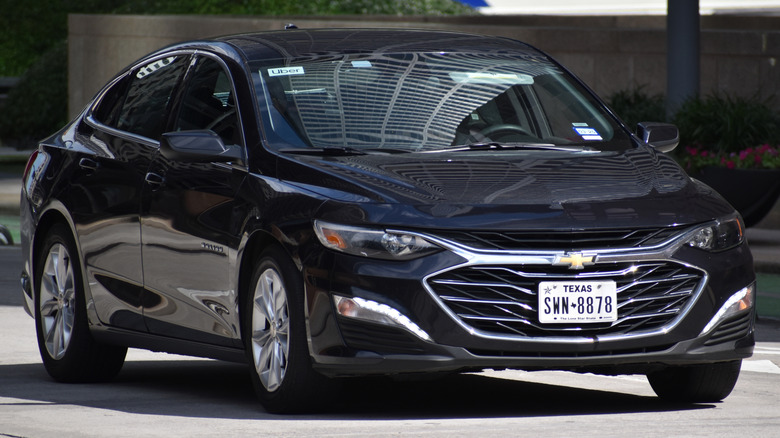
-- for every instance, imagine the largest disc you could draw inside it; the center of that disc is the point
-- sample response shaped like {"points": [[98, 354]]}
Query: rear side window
{"points": [[107, 110], [145, 107]]}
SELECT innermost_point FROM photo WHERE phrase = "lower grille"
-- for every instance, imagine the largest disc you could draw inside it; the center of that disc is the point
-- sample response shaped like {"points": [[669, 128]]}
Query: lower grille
{"points": [[503, 299], [569, 354], [378, 338], [731, 330]]}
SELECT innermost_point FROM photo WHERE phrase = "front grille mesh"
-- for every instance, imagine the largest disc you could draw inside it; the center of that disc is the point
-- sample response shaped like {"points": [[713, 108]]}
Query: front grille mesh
{"points": [[503, 299], [735, 328], [362, 335]]}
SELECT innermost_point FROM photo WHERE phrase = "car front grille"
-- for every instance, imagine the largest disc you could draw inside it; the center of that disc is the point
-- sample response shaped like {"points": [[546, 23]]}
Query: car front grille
{"points": [[502, 300], [556, 240]]}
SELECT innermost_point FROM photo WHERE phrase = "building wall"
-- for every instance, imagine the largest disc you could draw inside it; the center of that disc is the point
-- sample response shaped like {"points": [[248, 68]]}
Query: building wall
{"points": [[739, 55]]}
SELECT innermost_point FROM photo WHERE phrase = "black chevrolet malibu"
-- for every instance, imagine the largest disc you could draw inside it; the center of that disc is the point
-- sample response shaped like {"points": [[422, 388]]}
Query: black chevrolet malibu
{"points": [[335, 203]]}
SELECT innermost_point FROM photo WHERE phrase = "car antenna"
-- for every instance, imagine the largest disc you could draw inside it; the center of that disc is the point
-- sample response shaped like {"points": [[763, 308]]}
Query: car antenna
{"points": [[289, 26]]}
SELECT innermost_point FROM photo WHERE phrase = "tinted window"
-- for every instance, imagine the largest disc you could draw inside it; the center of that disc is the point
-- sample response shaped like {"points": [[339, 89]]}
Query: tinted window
{"points": [[145, 107], [107, 110], [208, 102]]}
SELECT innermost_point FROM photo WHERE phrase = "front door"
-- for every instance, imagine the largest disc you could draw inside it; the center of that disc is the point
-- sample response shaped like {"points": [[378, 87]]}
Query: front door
{"points": [[189, 235]]}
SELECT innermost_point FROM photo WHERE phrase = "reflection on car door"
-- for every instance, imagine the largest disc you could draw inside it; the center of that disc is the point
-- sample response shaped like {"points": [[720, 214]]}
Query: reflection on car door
{"points": [[121, 133], [188, 231]]}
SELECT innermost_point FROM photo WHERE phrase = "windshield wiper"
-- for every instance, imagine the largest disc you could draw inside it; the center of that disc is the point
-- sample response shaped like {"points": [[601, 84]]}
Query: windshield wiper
{"points": [[329, 151], [342, 151], [495, 146]]}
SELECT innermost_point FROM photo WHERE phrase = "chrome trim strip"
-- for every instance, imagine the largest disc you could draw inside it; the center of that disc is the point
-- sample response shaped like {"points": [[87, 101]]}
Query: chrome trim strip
{"points": [[504, 285]]}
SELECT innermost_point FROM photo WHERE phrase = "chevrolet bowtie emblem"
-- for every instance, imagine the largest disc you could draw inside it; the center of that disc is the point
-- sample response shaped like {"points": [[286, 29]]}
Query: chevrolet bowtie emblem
{"points": [[574, 260]]}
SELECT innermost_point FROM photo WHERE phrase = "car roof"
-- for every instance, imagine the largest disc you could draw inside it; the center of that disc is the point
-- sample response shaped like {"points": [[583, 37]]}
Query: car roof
{"points": [[317, 42]]}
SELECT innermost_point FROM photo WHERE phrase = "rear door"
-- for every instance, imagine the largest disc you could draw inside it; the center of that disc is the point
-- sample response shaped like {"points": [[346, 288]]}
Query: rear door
{"points": [[119, 138]]}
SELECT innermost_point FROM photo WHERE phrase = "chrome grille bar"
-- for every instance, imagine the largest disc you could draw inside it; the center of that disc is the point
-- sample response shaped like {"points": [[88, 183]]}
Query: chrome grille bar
{"points": [[650, 296]]}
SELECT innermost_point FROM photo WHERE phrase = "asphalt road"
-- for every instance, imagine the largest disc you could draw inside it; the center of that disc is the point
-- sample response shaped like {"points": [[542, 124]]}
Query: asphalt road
{"points": [[164, 395]]}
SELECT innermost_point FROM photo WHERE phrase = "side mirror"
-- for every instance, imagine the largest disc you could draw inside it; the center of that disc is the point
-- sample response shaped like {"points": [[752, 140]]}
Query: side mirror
{"points": [[198, 147], [664, 137]]}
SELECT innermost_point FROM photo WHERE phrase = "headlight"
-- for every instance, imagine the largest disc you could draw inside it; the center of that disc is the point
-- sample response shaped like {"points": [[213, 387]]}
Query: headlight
{"points": [[373, 243], [719, 235]]}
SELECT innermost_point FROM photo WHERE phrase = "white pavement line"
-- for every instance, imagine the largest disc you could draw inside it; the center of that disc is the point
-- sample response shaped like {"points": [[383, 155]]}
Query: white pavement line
{"points": [[766, 350], [760, 366]]}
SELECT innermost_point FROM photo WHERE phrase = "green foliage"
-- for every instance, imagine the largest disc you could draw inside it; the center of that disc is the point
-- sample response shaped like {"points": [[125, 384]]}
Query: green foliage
{"points": [[724, 124], [37, 106], [301, 7], [634, 106], [30, 28]]}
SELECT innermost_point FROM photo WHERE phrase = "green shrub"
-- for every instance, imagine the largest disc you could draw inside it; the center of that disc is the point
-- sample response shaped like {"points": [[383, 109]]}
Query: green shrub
{"points": [[37, 105], [301, 7], [720, 123], [634, 106]]}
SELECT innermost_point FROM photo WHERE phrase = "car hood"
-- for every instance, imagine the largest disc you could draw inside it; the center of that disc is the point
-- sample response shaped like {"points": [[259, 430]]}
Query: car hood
{"points": [[508, 189]]}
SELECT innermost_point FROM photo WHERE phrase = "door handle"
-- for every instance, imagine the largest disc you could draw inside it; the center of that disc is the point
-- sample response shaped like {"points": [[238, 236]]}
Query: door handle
{"points": [[154, 179], [88, 164]]}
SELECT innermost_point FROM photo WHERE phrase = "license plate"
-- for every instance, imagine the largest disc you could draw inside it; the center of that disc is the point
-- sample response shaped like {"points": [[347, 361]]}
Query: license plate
{"points": [[565, 302]]}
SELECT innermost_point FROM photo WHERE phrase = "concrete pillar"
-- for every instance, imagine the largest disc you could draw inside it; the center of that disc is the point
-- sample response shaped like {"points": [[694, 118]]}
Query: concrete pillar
{"points": [[682, 44]]}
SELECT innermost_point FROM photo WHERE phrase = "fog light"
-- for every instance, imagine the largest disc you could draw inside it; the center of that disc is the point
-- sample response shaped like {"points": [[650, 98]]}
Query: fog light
{"points": [[368, 310], [737, 303]]}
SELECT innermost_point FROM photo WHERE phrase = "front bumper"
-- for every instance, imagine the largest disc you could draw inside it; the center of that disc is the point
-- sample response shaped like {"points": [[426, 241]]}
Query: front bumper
{"points": [[673, 335], [442, 358]]}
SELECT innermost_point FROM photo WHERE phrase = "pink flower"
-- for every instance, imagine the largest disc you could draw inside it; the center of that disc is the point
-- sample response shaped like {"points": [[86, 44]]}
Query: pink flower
{"points": [[730, 164]]}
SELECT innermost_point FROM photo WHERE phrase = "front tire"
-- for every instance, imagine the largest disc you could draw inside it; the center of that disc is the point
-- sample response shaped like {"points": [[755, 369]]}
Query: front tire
{"points": [[68, 351], [275, 337], [708, 383]]}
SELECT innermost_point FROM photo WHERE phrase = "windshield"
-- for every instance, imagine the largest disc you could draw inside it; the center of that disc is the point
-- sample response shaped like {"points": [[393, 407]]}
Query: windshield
{"points": [[428, 101]]}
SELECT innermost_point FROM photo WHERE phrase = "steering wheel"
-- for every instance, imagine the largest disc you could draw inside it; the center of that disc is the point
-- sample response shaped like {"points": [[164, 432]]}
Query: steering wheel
{"points": [[504, 129]]}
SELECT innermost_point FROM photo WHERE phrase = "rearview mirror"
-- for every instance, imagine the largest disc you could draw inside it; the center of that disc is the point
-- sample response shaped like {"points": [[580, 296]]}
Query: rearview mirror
{"points": [[200, 146], [664, 137]]}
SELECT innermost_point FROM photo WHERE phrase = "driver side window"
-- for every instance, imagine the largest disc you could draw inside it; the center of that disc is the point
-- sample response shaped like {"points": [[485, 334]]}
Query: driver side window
{"points": [[208, 102]]}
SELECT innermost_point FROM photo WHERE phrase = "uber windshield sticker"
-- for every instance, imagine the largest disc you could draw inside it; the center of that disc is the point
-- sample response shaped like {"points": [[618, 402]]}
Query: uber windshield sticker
{"points": [[361, 64], [285, 71], [588, 133]]}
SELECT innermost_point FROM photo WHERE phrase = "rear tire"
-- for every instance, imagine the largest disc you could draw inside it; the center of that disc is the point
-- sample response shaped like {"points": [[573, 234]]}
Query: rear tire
{"points": [[68, 351], [275, 338], [706, 383]]}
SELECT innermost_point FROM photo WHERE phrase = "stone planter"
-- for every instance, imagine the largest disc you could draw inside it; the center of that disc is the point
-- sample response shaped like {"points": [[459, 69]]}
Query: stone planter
{"points": [[753, 192]]}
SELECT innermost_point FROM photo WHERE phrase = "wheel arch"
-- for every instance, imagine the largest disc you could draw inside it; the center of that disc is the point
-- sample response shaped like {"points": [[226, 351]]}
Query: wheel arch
{"points": [[257, 243], [53, 216]]}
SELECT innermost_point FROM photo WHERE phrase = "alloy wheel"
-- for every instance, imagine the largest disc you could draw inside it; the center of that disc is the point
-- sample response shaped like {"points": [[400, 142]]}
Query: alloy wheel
{"points": [[57, 301], [270, 329]]}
